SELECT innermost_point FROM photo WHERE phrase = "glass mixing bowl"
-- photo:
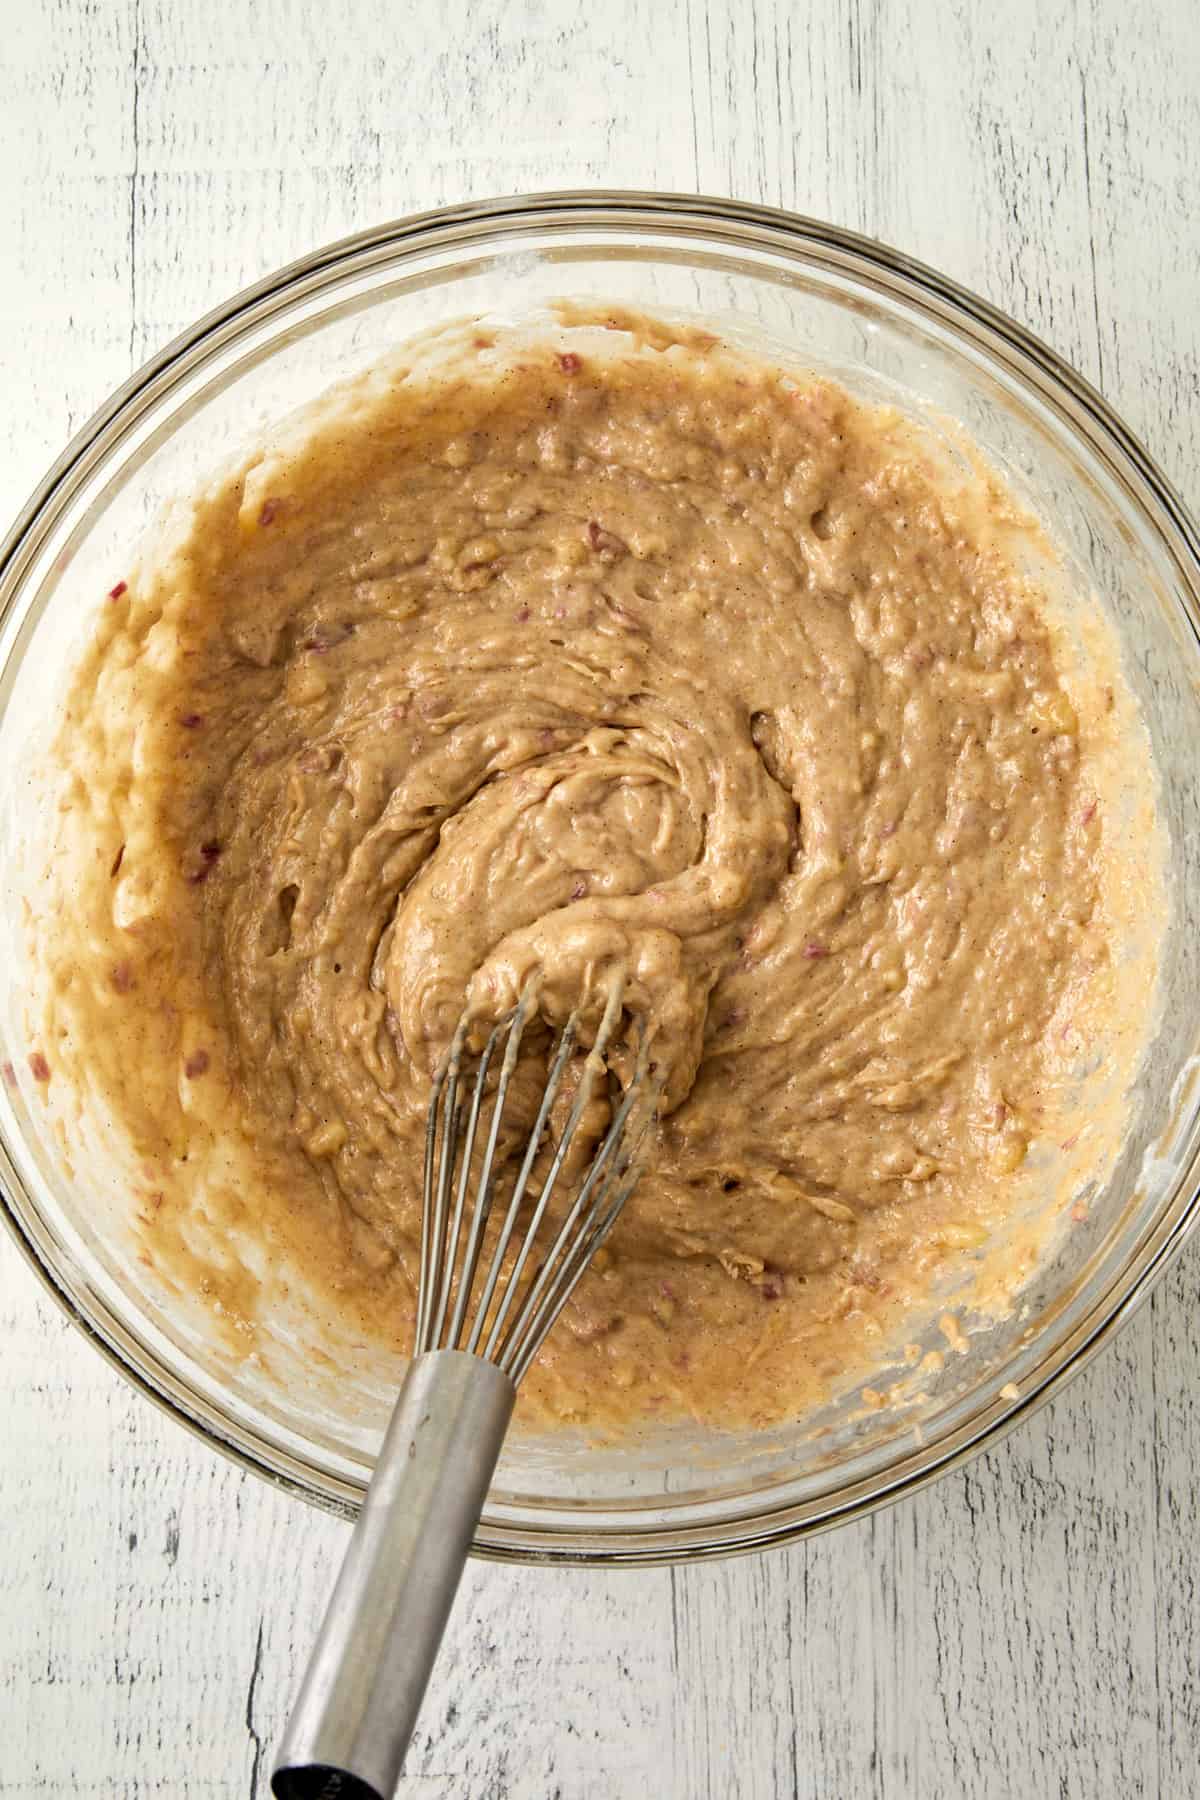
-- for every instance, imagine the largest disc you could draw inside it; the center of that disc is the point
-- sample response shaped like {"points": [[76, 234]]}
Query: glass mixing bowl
{"points": [[882, 324]]}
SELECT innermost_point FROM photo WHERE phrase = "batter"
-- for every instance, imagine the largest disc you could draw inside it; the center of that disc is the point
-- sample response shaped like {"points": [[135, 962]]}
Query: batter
{"points": [[602, 648]]}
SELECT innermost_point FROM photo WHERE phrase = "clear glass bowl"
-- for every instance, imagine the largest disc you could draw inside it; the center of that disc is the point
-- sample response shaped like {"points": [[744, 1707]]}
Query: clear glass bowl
{"points": [[880, 323]]}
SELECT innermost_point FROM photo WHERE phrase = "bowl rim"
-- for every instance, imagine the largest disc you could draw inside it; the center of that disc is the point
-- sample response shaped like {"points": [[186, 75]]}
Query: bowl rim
{"points": [[1072, 400]]}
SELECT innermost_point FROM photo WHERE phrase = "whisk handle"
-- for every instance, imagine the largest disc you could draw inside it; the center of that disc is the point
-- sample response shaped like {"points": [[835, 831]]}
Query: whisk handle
{"points": [[358, 1705]]}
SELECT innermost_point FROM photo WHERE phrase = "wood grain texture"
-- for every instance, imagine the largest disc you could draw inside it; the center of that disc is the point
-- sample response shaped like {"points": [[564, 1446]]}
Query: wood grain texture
{"points": [[1030, 1626]]}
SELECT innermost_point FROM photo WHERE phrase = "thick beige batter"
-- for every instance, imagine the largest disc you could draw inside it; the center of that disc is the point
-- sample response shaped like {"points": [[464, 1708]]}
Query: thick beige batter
{"points": [[523, 660]]}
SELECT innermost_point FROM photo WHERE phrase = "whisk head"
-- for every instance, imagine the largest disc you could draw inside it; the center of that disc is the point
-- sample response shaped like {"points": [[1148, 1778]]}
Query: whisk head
{"points": [[507, 1322]]}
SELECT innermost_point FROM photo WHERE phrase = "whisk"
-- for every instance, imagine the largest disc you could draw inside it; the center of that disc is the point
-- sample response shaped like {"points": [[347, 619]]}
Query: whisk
{"points": [[358, 1704]]}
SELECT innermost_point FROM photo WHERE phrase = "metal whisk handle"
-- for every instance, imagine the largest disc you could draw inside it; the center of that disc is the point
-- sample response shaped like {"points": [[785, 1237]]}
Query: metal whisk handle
{"points": [[358, 1706]]}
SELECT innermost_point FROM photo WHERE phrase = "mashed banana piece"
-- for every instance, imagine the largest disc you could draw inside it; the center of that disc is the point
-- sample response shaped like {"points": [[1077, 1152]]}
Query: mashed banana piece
{"points": [[600, 648]]}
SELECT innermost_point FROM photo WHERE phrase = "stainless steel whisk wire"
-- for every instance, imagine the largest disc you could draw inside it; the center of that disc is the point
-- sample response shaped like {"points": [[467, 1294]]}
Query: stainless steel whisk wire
{"points": [[358, 1705], [599, 1200]]}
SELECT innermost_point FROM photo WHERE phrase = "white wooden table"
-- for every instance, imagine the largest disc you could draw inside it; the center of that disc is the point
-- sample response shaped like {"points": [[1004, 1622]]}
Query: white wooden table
{"points": [[1032, 1625]]}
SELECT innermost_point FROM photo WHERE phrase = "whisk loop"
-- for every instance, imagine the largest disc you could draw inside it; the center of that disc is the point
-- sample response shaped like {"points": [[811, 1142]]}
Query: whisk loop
{"points": [[509, 1323]]}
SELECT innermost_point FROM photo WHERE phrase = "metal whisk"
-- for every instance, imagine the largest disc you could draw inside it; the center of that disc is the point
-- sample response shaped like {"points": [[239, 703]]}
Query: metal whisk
{"points": [[475, 1338]]}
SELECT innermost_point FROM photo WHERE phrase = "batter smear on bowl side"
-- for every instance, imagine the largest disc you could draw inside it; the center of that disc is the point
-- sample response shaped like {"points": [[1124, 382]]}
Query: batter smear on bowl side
{"points": [[590, 649]]}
